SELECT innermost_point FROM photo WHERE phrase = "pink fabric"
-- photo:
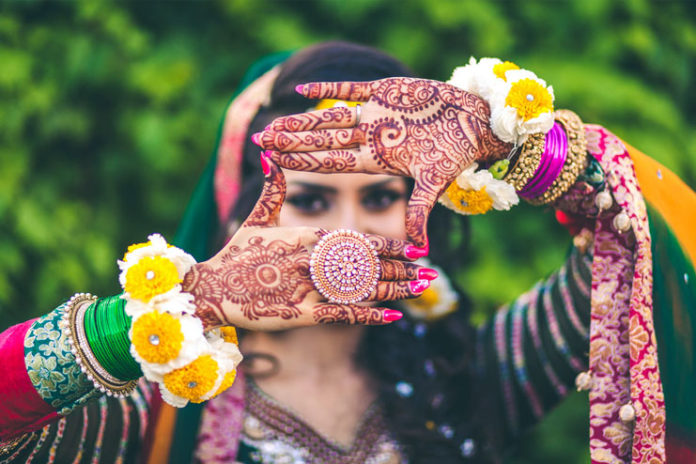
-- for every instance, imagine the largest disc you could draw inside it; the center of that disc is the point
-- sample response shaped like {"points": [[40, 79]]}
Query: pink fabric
{"points": [[623, 348], [21, 409], [224, 412], [234, 132]]}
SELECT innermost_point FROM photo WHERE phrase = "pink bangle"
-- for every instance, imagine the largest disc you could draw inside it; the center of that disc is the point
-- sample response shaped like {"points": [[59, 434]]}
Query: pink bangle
{"points": [[551, 165]]}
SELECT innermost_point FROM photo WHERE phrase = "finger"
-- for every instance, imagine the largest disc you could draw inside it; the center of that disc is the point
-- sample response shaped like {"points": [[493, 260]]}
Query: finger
{"points": [[423, 198], [388, 291], [395, 249], [322, 139], [330, 118], [327, 313], [400, 270], [324, 161], [350, 91], [267, 208]]}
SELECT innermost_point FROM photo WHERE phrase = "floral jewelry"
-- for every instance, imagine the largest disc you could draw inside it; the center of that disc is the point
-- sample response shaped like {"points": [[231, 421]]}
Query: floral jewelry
{"points": [[436, 301], [167, 339], [344, 267], [521, 103], [477, 192]]}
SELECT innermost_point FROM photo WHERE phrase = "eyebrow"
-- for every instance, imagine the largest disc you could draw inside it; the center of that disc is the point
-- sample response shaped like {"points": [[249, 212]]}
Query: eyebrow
{"points": [[332, 190]]}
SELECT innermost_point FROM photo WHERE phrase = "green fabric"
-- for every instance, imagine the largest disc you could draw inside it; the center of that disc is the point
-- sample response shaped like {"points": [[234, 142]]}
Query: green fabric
{"points": [[196, 235], [199, 226], [51, 366], [674, 303]]}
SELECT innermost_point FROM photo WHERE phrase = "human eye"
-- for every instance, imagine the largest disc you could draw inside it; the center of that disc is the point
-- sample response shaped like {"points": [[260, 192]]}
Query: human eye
{"points": [[381, 199], [309, 203]]}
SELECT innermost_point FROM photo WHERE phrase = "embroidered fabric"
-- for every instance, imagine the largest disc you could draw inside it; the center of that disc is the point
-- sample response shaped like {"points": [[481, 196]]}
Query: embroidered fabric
{"points": [[273, 434]]}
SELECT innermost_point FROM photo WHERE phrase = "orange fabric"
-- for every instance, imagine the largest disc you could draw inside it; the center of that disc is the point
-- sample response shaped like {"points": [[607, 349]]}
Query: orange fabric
{"points": [[164, 431], [670, 196]]}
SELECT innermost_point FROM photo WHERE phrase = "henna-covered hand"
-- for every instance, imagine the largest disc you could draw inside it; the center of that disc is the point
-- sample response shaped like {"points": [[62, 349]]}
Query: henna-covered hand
{"points": [[423, 129], [261, 279]]}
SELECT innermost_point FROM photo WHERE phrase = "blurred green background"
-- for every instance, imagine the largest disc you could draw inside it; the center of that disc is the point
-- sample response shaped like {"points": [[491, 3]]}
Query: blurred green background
{"points": [[109, 112]]}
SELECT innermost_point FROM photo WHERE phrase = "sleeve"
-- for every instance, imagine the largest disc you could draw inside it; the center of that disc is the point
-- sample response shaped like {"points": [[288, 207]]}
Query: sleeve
{"points": [[532, 350], [107, 429], [43, 380]]}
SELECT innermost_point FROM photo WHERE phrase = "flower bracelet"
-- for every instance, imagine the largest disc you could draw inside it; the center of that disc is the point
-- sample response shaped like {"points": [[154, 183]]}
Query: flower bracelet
{"points": [[167, 339], [549, 152]]}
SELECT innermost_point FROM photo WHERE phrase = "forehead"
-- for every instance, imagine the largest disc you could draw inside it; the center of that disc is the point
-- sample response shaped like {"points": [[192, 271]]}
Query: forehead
{"points": [[342, 181]]}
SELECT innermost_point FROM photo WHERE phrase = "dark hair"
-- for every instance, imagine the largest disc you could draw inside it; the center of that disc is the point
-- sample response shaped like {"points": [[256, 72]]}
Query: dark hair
{"points": [[424, 372]]}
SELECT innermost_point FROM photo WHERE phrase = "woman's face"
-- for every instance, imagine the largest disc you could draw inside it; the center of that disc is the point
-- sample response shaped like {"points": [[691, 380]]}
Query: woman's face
{"points": [[374, 204]]}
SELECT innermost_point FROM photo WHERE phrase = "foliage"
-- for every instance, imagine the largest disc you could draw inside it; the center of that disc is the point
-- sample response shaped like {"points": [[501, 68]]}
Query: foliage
{"points": [[109, 112]]}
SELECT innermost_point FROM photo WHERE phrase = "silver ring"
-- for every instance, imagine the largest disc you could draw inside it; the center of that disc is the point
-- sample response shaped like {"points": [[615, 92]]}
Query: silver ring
{"points": [[358, 112]]}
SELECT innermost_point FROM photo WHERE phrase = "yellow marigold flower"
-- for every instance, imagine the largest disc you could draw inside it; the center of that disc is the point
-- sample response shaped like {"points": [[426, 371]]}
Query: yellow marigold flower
{"points": [[501, 68], [151, 276], [426, 300], [193, 380], [157, 337], [229, 334], [227, 382], [529, 98], [470, 201]]}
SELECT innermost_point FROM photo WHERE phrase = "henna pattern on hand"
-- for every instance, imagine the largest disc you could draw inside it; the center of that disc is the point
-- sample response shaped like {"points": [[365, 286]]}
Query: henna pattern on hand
{"points": [[266, 279], [347, 314], [424, 129]]}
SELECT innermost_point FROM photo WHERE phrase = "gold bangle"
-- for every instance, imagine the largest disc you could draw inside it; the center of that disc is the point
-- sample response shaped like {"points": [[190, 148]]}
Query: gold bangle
{"points": [[576, 160], [75, 325], [527, 161]]}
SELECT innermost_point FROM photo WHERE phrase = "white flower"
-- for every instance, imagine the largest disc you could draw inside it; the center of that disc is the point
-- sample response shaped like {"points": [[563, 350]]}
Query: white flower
{"points": [[171, 398], [436, 301], [502, 93]]}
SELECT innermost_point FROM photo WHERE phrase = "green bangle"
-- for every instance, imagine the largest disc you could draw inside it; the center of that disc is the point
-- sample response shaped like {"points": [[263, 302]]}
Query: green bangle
{"points": [[106, 329]]}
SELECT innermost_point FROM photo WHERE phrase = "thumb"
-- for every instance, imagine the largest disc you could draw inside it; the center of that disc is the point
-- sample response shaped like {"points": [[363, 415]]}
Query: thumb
{"points": [[420, 204], [267, 208]]}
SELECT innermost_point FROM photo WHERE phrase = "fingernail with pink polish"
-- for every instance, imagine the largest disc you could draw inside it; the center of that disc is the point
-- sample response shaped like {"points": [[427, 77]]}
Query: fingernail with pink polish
{"points": [[391, 315], [427, 273], [267, 128], [299, 89], [264, 164], [418, 286], [256, 138], [413, 252]]}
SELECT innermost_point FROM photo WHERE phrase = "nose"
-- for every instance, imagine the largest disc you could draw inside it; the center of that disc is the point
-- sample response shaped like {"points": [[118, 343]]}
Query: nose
{"points": [[350, 216]]}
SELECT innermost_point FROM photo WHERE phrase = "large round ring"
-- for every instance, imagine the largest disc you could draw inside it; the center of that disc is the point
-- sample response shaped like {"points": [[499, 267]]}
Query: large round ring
{"points": [[358, 112], [344, 267]]}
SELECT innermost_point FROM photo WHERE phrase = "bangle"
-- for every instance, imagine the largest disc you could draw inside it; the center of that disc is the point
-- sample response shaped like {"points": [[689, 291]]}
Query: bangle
{"points": [[528, 161], [166, 337], [106, 328], [75, 324], [575, 162]]}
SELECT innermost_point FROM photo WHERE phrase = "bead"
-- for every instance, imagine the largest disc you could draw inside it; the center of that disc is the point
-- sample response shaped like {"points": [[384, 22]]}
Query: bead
{"points": [[468, 448], [446, 431], [149, 275], [583, 381], [154, 339], [530, 97], [404, 389], [603, 200], [621, 222], [627, 413], [686, 278], [192, 384], [659, 173]]}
